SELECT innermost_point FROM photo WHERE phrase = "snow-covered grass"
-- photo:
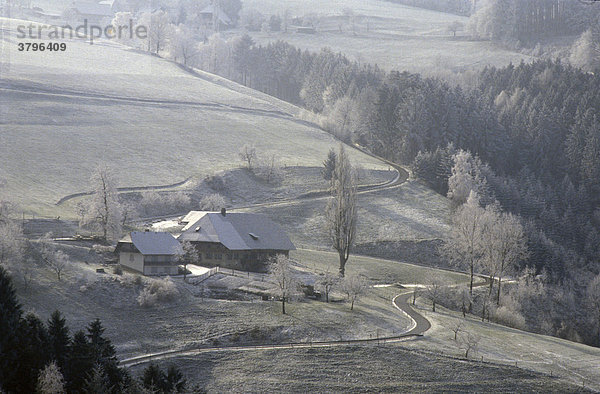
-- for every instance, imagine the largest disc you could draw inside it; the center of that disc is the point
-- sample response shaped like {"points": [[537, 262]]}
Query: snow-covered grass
{"points": [[391, 35], [369, 368], [63, 113], [568, 360], [409, 212]]}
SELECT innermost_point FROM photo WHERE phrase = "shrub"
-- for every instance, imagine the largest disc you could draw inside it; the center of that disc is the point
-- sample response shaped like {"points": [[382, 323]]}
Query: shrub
{"points": [[215, 182], [161, 290], [212, 202], [510, 318]]}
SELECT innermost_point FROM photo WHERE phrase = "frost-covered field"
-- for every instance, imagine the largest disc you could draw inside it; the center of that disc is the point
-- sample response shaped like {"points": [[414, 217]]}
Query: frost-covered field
{"points": [[568, 360], [63, 113], [390, 35], [410, 212]]}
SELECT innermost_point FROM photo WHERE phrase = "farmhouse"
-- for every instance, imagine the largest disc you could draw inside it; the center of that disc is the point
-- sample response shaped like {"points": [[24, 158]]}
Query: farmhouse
{"points": [[242, 241], [150, 253]]}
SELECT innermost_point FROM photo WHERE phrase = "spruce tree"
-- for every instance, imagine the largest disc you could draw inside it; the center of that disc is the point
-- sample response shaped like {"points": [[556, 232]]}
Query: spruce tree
{"points": [[80, 363], [59, 340], [10, 315]]}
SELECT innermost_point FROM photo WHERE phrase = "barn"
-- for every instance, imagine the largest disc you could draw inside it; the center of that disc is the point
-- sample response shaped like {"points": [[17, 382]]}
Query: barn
{"points": [[150, 253], [243, 241]]}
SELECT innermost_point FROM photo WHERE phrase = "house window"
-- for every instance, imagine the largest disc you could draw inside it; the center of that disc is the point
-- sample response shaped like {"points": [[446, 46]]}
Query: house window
{"points": [[209, 256], [218, 256], [229, 256], [154, 270], [236, 256], [131, 257]]}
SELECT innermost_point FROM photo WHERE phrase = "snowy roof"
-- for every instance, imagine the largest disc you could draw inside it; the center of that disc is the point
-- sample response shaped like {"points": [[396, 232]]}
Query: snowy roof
{"points": [[223, 17], [238, 231], [156, 243], [98, 9]]}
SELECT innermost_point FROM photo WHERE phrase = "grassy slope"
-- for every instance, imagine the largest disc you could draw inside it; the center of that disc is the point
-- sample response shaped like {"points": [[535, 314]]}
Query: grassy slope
{"points": [[385, 368], [399, 37], [54, 135], [571, 361]]}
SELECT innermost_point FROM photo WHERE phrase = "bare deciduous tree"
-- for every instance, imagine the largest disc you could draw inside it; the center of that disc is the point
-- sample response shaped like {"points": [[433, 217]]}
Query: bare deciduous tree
{"points": [[434, 291], [104, 211], [354, 286], [456, 327], [469, 343], [342, 209], [57, 260], [248, 155], [280, 270]]}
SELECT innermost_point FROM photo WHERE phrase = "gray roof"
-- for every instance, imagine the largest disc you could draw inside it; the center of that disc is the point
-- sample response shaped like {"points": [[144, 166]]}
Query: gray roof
{"points": [[156, 243], [239, 231]]}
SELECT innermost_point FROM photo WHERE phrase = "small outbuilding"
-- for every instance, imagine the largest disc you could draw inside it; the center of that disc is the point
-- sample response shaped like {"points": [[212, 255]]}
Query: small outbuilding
{"points": [[150, 253]]}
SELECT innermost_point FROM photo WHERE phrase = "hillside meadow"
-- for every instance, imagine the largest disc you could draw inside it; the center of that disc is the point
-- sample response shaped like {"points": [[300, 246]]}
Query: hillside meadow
{"points": [[64, 113]]}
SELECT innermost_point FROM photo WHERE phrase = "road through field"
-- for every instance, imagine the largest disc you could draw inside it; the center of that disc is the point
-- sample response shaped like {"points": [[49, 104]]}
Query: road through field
{"points": [[419, 326]]}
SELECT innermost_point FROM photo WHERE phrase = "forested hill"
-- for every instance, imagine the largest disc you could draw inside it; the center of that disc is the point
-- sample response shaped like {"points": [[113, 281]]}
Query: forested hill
{"points": [[531, 130]]}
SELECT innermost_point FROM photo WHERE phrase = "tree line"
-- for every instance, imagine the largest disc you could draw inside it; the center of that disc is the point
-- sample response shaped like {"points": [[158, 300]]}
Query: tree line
{"points": [[45, 357]]}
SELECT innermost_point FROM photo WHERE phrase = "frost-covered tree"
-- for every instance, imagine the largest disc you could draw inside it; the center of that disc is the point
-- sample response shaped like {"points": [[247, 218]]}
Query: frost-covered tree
{"points": [[354, 286], [57, 260], [159, 30], [503, 243], [585, 52], [121, 25], [104, 211], [51, 380], [464, 243], [341, 215], [212, 202], [11, 241], [280, 272], [466, 177], [183, 47]]}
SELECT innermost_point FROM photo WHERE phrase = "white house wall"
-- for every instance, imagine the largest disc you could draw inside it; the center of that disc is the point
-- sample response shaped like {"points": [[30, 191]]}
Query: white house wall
{"points": [[134, 261]]}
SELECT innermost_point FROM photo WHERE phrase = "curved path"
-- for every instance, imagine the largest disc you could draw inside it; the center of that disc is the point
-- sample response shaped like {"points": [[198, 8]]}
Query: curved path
{"points": [[418, 327]]}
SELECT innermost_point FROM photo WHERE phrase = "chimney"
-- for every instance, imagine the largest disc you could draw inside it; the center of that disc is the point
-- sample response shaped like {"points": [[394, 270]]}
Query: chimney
{"points": [[223, 211]]}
